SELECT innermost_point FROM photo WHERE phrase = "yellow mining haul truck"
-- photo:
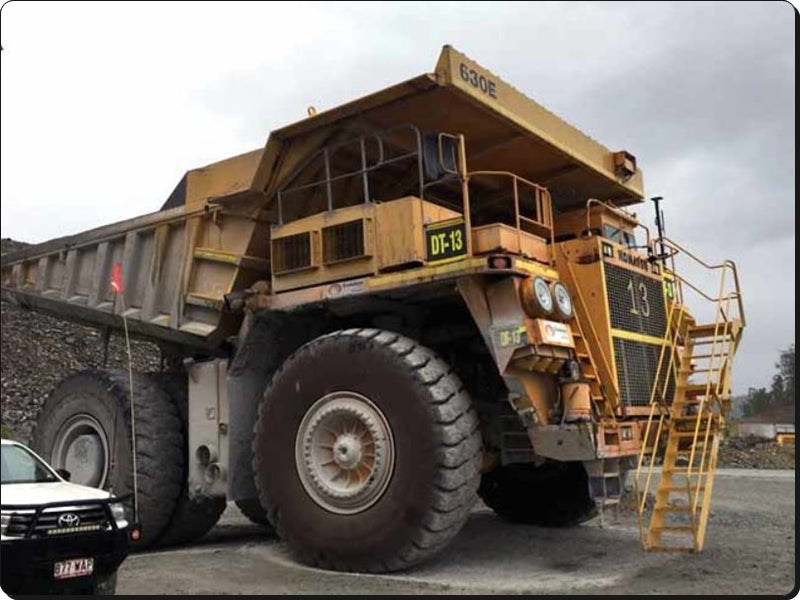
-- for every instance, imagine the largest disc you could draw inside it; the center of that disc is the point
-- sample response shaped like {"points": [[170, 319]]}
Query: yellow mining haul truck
{"points": [[428, 293]]}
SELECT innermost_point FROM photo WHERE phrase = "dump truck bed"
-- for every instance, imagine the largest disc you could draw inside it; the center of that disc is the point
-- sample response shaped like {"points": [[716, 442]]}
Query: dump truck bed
{"points": [[212, 235]]}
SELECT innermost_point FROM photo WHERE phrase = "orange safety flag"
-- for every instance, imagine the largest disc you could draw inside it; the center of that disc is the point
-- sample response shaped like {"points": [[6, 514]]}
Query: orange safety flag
{"points": [[116, 278]]}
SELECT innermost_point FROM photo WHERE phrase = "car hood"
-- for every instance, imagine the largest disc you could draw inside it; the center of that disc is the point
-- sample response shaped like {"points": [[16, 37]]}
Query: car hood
{"points": [[44, 493]]}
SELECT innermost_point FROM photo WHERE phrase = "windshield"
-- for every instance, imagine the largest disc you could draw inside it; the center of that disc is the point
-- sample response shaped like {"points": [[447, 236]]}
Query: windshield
{"points": [[20, 466], [622, 237]]}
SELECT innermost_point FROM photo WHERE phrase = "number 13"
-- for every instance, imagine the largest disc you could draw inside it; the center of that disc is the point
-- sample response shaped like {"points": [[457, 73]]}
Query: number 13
{"points": [[643, 303]]}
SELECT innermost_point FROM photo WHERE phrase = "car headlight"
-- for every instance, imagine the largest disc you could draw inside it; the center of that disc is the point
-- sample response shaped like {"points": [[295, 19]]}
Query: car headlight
{"points": [[563, 300], [19, 528], [120, 515], [536, 297]]}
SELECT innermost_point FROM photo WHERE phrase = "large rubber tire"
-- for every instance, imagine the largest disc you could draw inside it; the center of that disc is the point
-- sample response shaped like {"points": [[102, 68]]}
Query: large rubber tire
{"points": [[436, 442], [252, 509], [193, 517], [554, 494], [104, 397]]}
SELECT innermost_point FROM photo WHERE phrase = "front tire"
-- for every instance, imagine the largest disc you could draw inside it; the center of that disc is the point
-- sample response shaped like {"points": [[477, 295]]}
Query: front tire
{"points": [[366, 452]]}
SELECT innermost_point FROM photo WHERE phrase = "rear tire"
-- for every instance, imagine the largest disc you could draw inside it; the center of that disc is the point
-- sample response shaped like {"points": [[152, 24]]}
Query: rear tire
{"points": [[193, 517], [91, 410], [554, 494], [405, 481], [252, 509]]}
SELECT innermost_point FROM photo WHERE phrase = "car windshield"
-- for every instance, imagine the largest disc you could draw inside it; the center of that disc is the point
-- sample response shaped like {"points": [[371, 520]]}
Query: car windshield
{"points": [[20, 466]]}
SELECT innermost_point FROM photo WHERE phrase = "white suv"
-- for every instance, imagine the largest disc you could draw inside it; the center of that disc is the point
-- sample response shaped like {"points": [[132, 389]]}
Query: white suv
{"points": [[57, 536]]}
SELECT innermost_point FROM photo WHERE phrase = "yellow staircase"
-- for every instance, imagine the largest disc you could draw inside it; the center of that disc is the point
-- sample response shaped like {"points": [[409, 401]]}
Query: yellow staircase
{"points": [[684, 430]]}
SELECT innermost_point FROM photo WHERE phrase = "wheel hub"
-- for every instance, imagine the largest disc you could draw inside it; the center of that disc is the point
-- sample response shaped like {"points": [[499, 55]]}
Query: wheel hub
{"points": [[344, 452], [81, 447], [347, 451]]}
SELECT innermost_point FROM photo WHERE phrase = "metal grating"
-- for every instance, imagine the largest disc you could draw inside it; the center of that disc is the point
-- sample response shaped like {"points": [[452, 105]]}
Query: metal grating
{"points": [[635, 301], [637, 363], [344, 241], [292, 253]]}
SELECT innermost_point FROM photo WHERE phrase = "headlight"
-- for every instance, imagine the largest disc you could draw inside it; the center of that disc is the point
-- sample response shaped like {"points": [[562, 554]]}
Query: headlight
{"points": [[536, 297], [119, 514], [18, 526], [563, 300]]}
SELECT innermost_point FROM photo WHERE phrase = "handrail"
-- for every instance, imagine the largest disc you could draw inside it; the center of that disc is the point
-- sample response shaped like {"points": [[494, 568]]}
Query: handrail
{"points": [[725, 265], [544, 202], [365, 169], [709, 411]]}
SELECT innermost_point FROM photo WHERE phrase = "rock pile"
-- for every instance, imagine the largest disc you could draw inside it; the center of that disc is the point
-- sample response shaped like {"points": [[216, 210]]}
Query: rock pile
{"points": [[755, 453], [37, 351]]}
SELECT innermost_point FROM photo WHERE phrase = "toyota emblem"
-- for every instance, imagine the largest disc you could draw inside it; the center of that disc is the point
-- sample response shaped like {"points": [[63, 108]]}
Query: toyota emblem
{"points": [[69, 520]]}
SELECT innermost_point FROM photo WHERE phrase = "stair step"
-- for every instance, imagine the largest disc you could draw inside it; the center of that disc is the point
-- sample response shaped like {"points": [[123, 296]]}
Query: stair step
{"points": [[699, 389], [697, 371], [684, 471], [709, 329], [686, 550], [673, 529], [716, 355], [679, 488], [582, 355], [673, 508]]}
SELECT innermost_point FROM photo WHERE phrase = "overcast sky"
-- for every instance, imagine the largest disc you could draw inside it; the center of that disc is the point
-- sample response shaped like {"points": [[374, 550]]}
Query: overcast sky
{"points": [[104, 106]]}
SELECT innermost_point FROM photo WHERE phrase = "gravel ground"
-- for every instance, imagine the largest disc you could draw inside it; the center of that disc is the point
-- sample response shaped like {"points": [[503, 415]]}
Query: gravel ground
{"points": [[750, 549]]}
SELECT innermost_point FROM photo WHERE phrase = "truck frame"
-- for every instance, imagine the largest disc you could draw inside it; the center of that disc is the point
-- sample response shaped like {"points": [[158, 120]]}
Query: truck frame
{"points": [[434, 291]]}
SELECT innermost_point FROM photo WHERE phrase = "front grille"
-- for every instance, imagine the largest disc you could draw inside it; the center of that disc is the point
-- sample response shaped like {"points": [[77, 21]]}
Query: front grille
{"points": [[344, 241], [292, 253], [90, 518], [635, 301], [637, 363]]}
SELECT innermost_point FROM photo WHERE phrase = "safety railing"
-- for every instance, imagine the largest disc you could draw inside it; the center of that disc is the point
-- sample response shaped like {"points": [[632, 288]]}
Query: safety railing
{"points": [[705, 416]]}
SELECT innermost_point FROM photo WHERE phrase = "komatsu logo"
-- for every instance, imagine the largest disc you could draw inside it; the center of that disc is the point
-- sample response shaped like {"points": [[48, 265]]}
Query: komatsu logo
{"points": [[633, 260]]}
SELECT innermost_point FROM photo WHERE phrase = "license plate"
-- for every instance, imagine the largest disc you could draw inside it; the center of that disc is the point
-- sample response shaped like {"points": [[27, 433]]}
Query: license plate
{"points": [[77, 567]]}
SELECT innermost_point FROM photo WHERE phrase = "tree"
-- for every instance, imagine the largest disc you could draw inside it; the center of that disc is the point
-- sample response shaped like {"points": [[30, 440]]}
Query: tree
{"points": [[781, 393]]}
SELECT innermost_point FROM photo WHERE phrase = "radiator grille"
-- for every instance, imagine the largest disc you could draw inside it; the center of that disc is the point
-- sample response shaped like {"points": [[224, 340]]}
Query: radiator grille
{"points": [[90, 517], [343, 242], [292, 253], [637, 363], [635, 302]]}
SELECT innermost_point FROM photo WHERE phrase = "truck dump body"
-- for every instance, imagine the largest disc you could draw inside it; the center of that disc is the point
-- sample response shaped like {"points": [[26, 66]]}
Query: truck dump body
{"points": [[212, 236]]}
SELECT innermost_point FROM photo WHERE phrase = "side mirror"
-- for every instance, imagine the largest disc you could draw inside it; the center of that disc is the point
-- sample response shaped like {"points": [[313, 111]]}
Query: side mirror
{"points": [[64, 474]]}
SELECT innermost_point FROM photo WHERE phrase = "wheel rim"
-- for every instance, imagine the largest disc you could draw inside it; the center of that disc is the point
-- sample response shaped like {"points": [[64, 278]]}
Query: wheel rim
{"points": [[344, 452], [81, 447]]}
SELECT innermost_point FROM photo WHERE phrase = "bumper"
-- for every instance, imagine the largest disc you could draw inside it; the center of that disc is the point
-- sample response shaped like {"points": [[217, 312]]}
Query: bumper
{"points": [[28, 564]]}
